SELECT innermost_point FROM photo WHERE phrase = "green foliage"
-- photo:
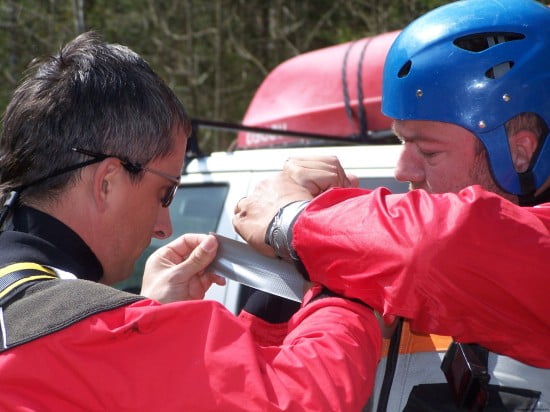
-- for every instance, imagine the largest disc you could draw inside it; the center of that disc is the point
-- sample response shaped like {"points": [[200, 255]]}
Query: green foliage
{"points": [[214, 54]]}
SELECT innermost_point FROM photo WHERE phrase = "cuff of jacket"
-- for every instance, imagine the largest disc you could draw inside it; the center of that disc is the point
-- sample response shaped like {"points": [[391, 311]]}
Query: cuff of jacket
{"points": [[279, 233]]}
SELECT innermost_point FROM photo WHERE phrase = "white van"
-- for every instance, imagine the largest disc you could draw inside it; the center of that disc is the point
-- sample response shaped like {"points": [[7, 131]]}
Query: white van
{"points": [[301, 97]]}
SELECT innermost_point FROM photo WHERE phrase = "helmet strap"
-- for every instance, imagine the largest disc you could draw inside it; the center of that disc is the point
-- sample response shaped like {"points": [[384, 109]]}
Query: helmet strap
{"points": [[528, 189], [543, 197]]}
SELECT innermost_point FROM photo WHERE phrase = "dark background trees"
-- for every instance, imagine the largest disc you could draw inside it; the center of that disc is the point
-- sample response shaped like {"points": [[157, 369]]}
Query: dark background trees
{"points": [[214, 53]]}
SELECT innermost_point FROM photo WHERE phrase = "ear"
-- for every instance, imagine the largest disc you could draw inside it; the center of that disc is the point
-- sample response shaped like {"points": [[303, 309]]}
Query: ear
{"points": [[106, 183], [522, 146]]}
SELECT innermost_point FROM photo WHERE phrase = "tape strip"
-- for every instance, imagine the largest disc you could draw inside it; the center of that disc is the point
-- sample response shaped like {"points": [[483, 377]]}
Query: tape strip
{"points": [[238, 261]]}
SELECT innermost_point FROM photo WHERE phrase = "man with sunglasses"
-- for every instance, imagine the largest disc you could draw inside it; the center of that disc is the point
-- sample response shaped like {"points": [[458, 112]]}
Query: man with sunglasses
{"points": [[92, 146]]}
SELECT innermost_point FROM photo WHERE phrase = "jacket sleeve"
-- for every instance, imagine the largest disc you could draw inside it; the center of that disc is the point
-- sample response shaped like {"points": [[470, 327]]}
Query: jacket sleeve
{"points": [[197, 356], [469, 265]]}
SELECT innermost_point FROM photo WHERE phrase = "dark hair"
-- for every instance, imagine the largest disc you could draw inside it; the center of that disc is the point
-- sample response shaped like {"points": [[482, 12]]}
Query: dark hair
{"points": [[92, 95]]}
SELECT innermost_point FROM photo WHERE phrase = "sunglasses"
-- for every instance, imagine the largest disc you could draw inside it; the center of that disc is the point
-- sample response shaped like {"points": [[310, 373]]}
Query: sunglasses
{"points": [[135, 168]]}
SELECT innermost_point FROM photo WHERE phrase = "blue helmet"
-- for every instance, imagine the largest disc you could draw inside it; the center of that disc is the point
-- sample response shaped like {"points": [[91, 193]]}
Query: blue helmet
{"points": [[477, 64]]}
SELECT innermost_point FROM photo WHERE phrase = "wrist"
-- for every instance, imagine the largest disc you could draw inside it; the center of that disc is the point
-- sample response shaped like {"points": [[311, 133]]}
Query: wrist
{"points": [[279, 231]]}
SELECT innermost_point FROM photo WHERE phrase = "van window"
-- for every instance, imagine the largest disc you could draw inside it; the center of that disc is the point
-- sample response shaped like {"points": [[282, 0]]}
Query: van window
{"points": [[195, 209]]}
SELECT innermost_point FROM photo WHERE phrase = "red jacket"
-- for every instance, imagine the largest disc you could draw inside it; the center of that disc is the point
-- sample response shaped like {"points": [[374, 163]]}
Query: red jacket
{"points": [[196, 356], [470, 265]]}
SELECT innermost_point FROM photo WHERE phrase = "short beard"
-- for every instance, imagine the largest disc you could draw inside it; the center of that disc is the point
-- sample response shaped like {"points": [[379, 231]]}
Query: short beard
{"points": [[480, 174]]}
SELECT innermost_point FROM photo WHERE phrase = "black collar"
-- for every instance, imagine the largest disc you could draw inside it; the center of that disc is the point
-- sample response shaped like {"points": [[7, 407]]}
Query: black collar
{"points": [[34, 236]]}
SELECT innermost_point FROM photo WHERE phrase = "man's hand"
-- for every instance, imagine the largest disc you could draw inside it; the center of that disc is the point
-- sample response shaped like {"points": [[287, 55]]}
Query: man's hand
{"points": [[300, 179], [176, 271], [318, 173], [254, 212]]}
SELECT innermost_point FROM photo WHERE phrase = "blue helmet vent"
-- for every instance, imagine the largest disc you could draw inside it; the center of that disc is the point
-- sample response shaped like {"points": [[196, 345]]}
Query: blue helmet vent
{"points": [[496, 72], [405, 69], [482, 41]]}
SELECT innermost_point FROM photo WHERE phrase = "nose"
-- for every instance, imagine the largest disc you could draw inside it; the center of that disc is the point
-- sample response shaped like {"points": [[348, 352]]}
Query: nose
{"points": [[409, 167], [163, 225]]}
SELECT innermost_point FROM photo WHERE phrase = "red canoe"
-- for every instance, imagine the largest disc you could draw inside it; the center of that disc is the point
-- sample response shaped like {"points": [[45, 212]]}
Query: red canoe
{"points": [[310, 93]]}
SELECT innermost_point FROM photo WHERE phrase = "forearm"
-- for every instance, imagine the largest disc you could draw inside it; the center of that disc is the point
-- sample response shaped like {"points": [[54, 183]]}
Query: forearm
{"points": [[453, 264]]}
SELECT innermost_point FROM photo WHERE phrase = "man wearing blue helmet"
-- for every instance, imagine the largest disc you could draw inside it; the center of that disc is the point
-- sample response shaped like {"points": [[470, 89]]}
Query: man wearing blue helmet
{"points": [[466, 252], [489, 71]]}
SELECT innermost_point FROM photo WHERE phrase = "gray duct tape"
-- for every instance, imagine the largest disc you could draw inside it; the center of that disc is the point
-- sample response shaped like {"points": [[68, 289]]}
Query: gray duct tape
{"points": [[239, 262]]}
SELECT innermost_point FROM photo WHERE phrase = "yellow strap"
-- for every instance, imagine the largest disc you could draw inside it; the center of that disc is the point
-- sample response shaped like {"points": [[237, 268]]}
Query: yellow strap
{"points": [[24, 265], [47, 274]]}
